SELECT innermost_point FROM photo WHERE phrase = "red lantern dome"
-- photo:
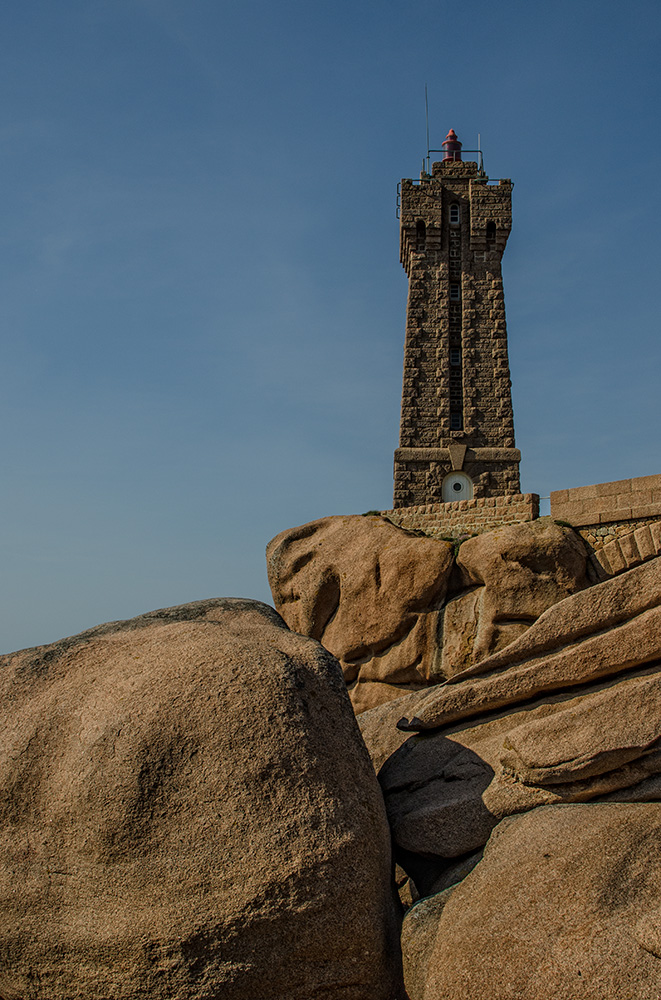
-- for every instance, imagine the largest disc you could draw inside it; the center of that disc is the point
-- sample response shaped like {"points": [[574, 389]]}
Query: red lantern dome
{"points": [[451, 147]]}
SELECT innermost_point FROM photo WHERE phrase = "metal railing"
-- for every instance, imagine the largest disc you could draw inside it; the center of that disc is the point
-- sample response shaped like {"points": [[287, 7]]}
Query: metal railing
{"points": [[456, 155]]}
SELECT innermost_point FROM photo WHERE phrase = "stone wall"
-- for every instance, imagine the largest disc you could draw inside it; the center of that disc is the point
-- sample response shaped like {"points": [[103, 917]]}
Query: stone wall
{"points": [[466, 517], [609, 503], [596, 536]]}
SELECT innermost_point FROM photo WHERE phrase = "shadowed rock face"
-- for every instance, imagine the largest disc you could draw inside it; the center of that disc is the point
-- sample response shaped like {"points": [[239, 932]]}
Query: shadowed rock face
{"points": [[396, 609], [187, 810]]}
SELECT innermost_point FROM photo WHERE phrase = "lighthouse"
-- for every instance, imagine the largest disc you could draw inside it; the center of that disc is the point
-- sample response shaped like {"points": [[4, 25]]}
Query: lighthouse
{"points": [[457, 427]]}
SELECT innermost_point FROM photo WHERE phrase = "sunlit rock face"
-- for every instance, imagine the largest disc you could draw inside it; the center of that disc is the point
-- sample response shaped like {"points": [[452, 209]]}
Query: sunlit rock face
{"points": [[187, 810], [371, 593], [400, 612]]}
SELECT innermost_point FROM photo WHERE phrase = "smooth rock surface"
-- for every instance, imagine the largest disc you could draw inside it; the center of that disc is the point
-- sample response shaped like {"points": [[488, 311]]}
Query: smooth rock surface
{"points": [[588, 735], [370, 592], [187, 810], [419, 930], [564, 904]]}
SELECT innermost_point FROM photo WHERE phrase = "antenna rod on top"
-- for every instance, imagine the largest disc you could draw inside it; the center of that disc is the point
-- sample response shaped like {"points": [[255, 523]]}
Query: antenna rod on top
{"points": [[427, 123], [479, 148]]}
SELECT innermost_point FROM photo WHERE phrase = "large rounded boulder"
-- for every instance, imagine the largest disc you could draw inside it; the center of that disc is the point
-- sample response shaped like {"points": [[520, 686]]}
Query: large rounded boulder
{"points": [[371, 593], [187, 810], [564, 904]]}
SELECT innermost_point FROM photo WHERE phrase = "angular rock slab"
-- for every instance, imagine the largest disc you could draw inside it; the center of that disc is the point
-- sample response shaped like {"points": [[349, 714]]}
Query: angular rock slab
{"points": [[569, 712], [564, 904], [447, 789], [607, 630], [187, 810]]}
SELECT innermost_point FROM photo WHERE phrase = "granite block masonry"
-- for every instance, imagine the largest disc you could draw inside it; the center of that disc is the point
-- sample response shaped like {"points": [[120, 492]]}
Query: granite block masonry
{"points": [[457, 426], [466, 517]]}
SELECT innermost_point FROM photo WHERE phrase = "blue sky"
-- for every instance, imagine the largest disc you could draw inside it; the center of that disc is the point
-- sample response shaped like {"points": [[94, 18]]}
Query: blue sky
{"points": [[201, 303]]}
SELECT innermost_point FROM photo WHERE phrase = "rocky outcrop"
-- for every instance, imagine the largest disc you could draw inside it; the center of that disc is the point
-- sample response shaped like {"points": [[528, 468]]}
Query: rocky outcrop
{"points": [[570, 712], [531, 750], [564, 904], [504, 580], [400, 613], [187, 810], [447, 789], [371, 593], [604, 631]]}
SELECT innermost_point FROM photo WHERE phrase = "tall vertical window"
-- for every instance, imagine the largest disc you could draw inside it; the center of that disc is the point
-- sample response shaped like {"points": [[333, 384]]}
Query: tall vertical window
{"points": [[491, 235], [454, 214], [420, 236]]}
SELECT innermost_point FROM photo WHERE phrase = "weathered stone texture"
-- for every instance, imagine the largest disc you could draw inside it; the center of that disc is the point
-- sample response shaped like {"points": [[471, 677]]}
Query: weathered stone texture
{"points": [[466, 517], [378, 597], [187, 810], [371, 593], [567, 714], [596, 633], [563, 905]]}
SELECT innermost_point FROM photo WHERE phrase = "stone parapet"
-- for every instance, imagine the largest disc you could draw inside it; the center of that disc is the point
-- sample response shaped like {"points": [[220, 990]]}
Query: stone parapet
{"points": [[609, 503], [466, 517]]}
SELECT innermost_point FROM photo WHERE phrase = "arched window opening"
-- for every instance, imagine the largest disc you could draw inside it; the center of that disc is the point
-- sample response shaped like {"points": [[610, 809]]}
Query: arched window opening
{"points": [[455, 218], [420, 236], [457, 486], [491, 235]]}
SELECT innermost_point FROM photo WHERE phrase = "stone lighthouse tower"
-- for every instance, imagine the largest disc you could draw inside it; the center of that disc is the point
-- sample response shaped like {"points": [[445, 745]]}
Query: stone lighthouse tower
{"points": [[457, 427]]}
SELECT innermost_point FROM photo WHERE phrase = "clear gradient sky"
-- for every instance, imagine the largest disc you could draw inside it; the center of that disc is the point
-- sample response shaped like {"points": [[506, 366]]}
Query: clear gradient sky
{"points": [[202, 307]]}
